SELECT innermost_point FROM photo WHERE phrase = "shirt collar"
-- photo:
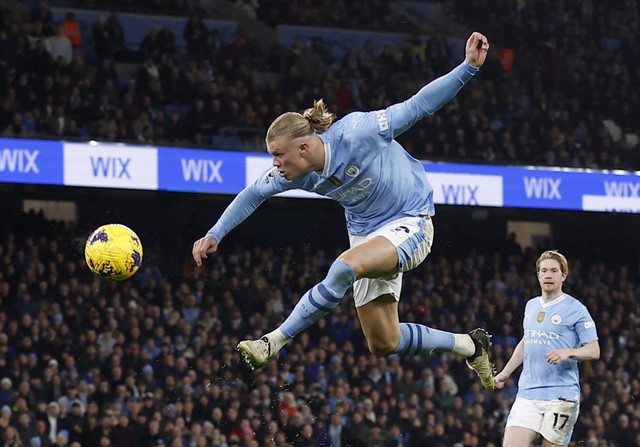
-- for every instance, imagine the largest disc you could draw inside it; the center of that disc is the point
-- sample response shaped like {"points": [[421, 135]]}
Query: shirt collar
{"points": [[327, 158]]}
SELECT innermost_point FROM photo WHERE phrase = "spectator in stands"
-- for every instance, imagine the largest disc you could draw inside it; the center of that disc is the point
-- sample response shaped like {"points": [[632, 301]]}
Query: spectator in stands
{"points": [[197, 118], [196, 35], [117, 38], [16, 128], [153, 45], [59, 46], [172, 129], [438, 52], [249, 7], [43, 15], [71, 30]]}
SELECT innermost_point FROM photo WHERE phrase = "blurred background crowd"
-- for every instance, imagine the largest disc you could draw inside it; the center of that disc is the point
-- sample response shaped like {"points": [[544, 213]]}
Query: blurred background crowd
{"points": [[558, 89], [151, 361]]}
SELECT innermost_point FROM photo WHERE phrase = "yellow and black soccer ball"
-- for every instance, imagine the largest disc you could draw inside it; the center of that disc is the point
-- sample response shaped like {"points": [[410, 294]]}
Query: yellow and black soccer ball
{"points": [[113, 252]]}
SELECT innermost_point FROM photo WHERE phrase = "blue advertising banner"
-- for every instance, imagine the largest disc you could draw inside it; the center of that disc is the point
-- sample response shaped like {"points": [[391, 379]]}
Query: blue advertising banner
{"points": [[110, 165], [195, 170], [535, 187], [30, 161]]}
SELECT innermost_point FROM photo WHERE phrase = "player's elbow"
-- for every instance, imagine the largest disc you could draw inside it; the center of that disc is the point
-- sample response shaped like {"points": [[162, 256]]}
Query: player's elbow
{"points": [[595, 353]]}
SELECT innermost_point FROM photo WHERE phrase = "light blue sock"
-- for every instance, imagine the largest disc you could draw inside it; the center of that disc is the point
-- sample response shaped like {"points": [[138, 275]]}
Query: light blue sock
{"points": [[320, 300], [417, 339]]}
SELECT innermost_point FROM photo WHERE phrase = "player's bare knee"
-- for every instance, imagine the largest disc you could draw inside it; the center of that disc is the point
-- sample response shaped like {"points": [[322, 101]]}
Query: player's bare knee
{"points": [[352, 261], [382, 347]]}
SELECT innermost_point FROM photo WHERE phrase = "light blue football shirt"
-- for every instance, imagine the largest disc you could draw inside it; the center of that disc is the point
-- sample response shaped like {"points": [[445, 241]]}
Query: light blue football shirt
{"points": [[563, 323], [366, 170]]}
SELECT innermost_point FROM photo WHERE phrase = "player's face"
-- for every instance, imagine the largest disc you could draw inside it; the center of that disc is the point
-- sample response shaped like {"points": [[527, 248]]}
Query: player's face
{"points": [[288, 157], [550, 276]]}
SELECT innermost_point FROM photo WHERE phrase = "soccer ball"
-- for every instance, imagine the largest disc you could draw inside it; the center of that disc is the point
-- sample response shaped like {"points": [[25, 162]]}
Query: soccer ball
{"points": [[113, 252]]}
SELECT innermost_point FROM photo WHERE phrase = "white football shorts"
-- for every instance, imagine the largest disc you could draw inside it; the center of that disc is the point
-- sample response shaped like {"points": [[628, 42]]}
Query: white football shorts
{"points": [[553, 419], [412, 237]]}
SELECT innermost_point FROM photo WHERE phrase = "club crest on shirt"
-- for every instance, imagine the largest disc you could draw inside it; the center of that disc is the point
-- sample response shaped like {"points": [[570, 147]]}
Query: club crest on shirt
{"points": [[540, 317], [352, 170], [556, 319]]}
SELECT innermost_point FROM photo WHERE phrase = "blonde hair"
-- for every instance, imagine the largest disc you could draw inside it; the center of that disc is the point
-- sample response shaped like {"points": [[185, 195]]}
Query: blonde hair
{"points": [[294, 125], [556, 255]]}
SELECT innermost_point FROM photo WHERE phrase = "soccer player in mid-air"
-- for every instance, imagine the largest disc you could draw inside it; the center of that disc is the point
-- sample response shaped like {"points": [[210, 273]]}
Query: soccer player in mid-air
{"points": [[558, 332], [388, 205]]}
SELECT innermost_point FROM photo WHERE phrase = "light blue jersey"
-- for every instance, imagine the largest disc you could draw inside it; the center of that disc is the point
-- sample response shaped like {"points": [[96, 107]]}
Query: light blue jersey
{"points": [[563, 323], [366, 170]]}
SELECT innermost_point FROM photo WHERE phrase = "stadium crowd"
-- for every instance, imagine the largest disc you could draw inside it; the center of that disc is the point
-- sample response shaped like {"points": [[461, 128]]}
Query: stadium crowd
{"points": [[151, 361], [558, 88]]}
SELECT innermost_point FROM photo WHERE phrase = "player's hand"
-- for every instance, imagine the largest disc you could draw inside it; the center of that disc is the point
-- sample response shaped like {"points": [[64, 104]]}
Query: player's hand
{"points": [[476, 49], [558, 356], [203, 247], [501, 379]]}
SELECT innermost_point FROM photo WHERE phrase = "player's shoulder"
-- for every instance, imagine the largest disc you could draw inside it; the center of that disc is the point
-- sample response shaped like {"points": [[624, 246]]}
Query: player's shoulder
{"points": [[575, 304], [535, 301], [355, 124], [570, 300], [353, 117]]}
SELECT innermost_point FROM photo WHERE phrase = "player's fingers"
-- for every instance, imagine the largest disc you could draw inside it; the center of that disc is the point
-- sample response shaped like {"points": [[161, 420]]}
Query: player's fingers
{"points": [[471, 40], [199, 252]]}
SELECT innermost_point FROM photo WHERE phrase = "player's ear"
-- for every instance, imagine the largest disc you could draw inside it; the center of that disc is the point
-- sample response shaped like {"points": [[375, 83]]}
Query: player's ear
{"points": [[303, 148]]}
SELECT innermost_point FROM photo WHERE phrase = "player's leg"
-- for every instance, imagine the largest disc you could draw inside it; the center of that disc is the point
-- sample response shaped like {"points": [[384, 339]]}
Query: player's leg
{"points": [[373, 257], [524, 422], [558, 422], [376, 301], [400, 245], [518, 437], [370, 256], [380, 324], [386, 335], [546, 443]]}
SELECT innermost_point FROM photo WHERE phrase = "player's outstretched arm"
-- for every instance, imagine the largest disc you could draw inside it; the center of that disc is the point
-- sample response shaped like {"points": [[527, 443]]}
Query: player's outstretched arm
{"points": [[433, 96], [242, 206]]}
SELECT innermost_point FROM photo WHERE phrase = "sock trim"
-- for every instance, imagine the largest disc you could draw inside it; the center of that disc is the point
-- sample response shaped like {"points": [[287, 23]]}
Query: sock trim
{"points": [[327, 295], [410, 327], [317, 305]]}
